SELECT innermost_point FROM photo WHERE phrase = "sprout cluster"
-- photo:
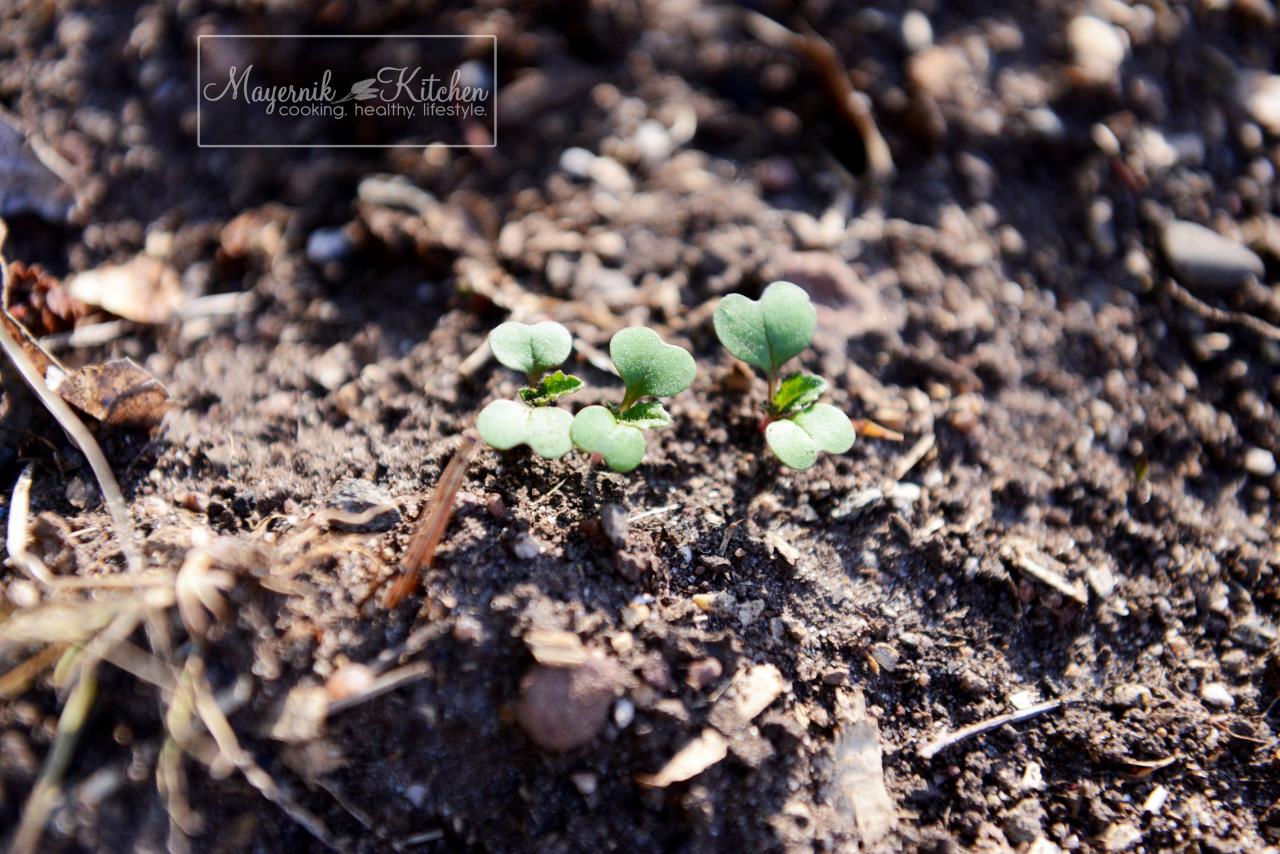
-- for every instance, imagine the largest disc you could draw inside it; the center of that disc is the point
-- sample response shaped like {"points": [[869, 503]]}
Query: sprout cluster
{"points": [[649, 368], [765, 333]]}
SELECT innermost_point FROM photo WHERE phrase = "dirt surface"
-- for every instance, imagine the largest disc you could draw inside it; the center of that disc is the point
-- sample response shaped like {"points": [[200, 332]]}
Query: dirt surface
{"points": [[1002, 302]]}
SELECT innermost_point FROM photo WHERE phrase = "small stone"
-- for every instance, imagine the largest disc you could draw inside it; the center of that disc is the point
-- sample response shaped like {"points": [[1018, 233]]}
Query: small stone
{"points": [[1022, 700], [751, 694], [349, 680], [886, 657], [917, 32], [750, 611], [1217, 695], [325, 245], [1130, 695], [527, 548], [838, 676], [332, 369], [611, 175], [1101, 580], [577, 162], [905, 496], [1098, 49], [1235, 662], [703, 672], [1259, 462], [355, 496], [1025, 821], [973, 684], [614, 520], [1259, 94], [652, 142], [495, 506], [416, 795], [1202, 258], [624, 712], [1121, 837], [563, 708], [585, 783]]}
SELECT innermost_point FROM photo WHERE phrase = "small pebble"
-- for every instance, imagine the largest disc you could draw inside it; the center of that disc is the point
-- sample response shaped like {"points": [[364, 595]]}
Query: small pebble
{"points": [[349, 680], [585, 783], [563, 708], [1259, 462], [527, 548], [1215, 694], [1097, 48], [577, 162], [917, 32], [325, 245], [703, 673], [1129, 695], [1202, 258]]}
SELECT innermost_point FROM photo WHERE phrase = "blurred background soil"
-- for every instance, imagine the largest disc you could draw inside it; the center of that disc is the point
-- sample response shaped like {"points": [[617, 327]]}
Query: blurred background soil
{"points": [[1081, 507]]}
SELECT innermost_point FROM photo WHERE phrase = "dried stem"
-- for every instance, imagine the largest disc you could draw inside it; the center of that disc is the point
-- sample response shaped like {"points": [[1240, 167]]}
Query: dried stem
{"points": [[422, 548], [84, 440], [48, 788]]}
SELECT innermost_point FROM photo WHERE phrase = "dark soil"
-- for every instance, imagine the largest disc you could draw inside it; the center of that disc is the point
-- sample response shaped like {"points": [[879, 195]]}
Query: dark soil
{"points": [[1004, 295]]}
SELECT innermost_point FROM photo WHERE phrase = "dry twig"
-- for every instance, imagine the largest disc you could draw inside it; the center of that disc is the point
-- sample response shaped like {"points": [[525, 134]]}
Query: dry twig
{"points": [[933, 748], [422, 548]]}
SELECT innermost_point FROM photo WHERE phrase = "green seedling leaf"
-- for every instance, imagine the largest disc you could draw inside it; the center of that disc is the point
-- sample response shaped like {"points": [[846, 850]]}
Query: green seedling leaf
{"points": [[797, 393], [530, 348], [768, 331], [646, 416], [650, 367], [596, 431], [504, 424], [798, 439], [550, 389]]}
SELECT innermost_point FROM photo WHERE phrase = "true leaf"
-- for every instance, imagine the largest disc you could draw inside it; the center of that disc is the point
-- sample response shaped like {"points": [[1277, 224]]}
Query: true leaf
{"points": [[769, 331], [648, 366], [797, 393], [530, 348], [797, 440], [648, 415], [504, 424], [596, 431], [550, 389]]}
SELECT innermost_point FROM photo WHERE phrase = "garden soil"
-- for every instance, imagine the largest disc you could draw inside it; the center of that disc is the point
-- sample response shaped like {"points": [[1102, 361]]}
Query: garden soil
{"points": [[1061, 492]]}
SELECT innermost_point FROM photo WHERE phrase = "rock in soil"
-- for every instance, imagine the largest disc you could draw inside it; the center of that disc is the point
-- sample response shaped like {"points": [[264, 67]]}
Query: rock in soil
{"points": [[561, 708], [1202, 259]]}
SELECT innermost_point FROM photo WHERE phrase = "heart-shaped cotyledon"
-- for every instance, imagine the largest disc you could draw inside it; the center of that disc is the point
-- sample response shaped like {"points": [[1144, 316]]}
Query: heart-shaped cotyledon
{"points": [[504, 424], [769, 331], [649, 366], [596, 431], [821, 427], [531, 348]]}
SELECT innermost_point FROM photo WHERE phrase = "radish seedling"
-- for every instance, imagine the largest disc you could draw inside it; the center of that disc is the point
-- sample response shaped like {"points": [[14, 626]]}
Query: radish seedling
{"points": [[531, 420], [650, 368], [767, 333]]}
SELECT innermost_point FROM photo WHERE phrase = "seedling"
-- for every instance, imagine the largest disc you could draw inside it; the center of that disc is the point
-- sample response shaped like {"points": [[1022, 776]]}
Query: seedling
{"points": [[531, 420], [650, 368], [767, 333]]}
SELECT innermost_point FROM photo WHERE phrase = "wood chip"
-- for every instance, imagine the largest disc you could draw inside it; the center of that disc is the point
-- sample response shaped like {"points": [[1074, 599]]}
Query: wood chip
{"points": [[1020, 554], [859, 779], [555, 648], [752, 693], [691, 760], [143, 289]]}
